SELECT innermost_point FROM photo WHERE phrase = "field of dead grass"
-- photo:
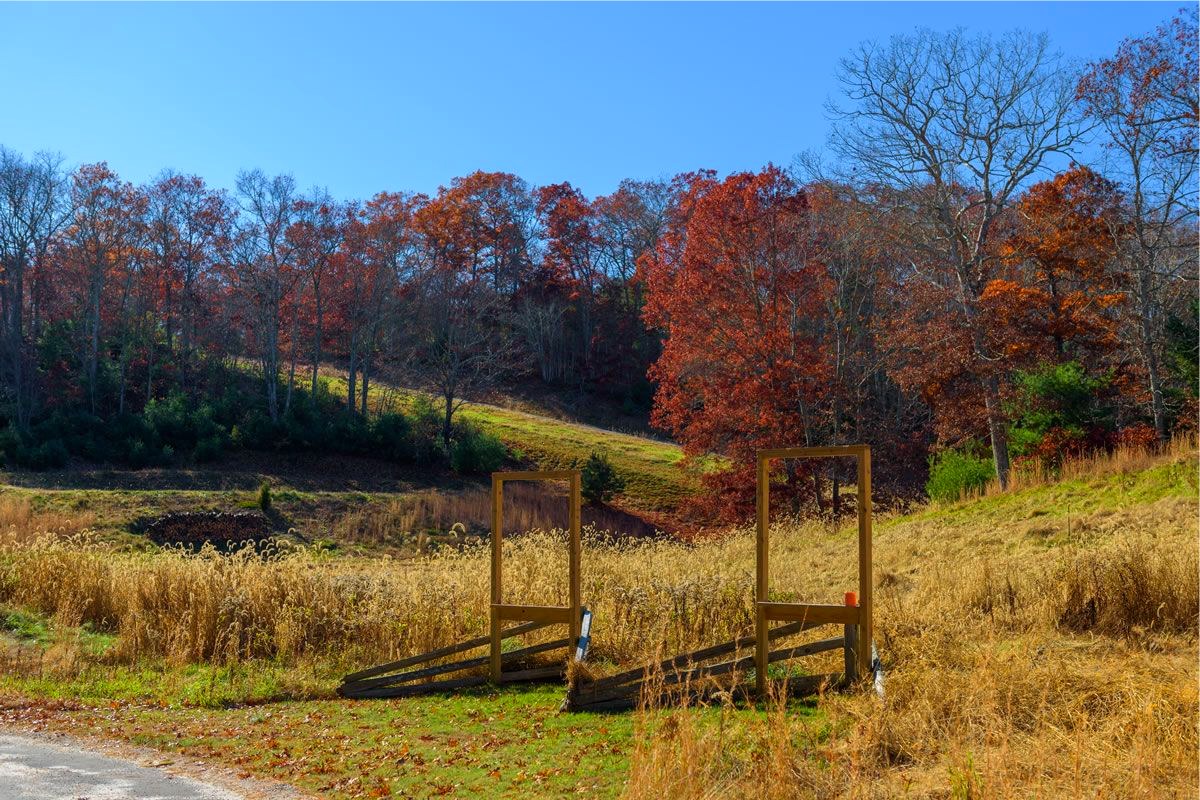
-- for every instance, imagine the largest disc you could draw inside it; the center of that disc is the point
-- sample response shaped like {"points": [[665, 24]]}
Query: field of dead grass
{"points": [[1036, 643]]}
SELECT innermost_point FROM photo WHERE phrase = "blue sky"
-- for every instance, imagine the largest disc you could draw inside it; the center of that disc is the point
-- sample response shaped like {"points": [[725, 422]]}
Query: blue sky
{"points": [[365, 97]]}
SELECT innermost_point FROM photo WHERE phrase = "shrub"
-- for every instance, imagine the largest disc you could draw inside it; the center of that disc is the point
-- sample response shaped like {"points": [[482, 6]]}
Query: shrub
{"points": [[264, 497], [953, 473], [600, 480], [391, 437], [474, 451]]}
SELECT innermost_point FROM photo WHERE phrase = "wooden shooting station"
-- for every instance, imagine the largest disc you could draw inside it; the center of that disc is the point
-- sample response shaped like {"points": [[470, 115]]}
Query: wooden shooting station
{"points": [[388, 680], [693, 675]]}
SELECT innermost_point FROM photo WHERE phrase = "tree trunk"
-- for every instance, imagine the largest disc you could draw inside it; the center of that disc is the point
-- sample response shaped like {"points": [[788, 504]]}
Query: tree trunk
{"points": [[366, 387], [446, 429], [996, 431]]}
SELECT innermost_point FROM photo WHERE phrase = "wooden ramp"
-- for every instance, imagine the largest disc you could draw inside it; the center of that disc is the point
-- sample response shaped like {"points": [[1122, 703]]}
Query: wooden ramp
{"points": [[721, 669], [410, 676], [415, 674]]}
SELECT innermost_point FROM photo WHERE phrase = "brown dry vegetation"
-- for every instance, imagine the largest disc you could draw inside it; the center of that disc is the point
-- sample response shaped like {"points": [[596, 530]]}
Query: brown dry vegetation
{"points": [[1038, 643]]}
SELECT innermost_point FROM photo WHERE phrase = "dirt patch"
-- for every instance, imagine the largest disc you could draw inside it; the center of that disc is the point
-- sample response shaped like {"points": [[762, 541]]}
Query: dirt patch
{"points": [[226, 531]]}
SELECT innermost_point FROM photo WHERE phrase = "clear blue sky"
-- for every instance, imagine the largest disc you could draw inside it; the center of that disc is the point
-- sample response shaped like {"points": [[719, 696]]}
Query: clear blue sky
{"points": [[366, 97]]}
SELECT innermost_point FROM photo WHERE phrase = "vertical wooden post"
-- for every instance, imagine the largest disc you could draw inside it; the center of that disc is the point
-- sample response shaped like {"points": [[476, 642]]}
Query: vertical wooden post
{"points": [[497, 594], [761, 643], [573, 557], [865, 578], [850, 632]]}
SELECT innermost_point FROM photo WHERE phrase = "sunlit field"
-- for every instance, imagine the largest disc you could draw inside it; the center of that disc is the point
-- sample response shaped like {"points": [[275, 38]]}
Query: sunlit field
{"points": [[1036, 643]]}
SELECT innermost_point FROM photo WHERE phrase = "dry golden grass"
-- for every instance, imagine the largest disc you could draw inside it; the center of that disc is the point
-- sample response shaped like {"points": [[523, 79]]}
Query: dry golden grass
{"points": [[1030, 652]]}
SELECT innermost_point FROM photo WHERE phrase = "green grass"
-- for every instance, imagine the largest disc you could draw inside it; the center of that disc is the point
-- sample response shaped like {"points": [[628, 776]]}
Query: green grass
{"points": [[510, 742], [1106, 493], [653, 478]]}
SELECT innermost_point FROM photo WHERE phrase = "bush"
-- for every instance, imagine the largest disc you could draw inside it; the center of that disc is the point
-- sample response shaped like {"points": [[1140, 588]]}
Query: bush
{"points": [[264, 497], [953, 473], [391, 437], [474, 451], [600, 480], [1060, 410]]}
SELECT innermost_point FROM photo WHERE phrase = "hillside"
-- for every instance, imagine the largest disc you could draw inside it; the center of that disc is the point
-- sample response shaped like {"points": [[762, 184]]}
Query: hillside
{"points": [[653, 478], [1036, 643]]}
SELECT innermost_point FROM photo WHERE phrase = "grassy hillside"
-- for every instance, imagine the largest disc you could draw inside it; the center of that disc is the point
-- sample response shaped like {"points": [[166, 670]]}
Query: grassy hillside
{"points": [[649, 466], [1037, 643]]}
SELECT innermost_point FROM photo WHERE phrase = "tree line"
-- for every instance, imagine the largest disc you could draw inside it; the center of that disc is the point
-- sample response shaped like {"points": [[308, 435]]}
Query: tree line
{"points": [[928, 285]]}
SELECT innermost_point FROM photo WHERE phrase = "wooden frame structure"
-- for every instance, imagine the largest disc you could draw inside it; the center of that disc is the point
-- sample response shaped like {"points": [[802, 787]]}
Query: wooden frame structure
{"points": [[399, 679], [855, 618], [689, 674]]}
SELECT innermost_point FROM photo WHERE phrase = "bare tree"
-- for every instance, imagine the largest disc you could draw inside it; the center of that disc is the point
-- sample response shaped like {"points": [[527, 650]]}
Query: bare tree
{"points": [[34, 206], [956, 126], [1145, 99], [460, 342], [263, 271]]}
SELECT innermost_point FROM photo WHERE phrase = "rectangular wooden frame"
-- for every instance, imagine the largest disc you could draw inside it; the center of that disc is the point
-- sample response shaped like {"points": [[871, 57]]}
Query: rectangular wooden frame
{"points": [[570, 614], [856, 617]]}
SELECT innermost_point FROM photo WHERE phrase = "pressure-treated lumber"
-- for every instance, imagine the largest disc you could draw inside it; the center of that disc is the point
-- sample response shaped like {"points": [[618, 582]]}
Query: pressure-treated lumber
{"points": [[454, 666], [765, 610], [819, 614], [694, 657], [440, 652], [570, 614]]}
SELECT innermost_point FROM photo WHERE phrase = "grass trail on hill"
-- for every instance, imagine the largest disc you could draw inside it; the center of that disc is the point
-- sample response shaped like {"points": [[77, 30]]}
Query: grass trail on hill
{"points": [[1037, 643]]}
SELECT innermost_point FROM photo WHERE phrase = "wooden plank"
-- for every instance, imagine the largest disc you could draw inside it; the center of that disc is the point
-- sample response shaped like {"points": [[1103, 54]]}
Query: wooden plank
{"points": [[588, 695], [808, 649], [453, 666], [840, 451], [702, 654], [811, 612], [440, 652], [497, 593], [532, 674], [535, 475], [865, 577], [762, 571], [850, 645], [537, 613], [418, 688], [573, 548]]}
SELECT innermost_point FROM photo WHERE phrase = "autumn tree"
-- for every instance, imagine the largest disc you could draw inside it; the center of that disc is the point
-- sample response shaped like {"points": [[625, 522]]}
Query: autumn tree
{"points": [[262, 267], [1145, 99], [34, 206], [102, 251], [734, 284], [187, 228], [1061, 300], [950, 128], [315, 238]]}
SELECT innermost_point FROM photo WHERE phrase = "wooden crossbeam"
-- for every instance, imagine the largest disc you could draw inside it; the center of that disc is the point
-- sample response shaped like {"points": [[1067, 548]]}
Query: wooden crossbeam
{"points": [[441, 652], [703, 654], [810, 612], [536, 475], [454, 666]]}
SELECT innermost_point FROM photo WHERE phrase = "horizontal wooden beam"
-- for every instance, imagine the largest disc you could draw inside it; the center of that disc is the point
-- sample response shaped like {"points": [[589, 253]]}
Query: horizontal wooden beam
{"points": [[546, 614], [694, 657], [533, 674], [850, 450], [454, 666], [441, 652], [536, 475], [810, 612], [809, 649]]}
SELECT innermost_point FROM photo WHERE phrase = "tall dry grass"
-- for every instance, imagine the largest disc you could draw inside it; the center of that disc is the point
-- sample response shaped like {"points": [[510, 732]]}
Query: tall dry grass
{"points": [[1025, 657]]}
